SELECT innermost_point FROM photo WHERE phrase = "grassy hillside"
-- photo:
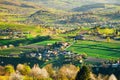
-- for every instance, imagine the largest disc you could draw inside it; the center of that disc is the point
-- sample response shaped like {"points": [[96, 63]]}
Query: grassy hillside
{"points": [[16, 11], [95, 16], [46, 16], [34, 30]]}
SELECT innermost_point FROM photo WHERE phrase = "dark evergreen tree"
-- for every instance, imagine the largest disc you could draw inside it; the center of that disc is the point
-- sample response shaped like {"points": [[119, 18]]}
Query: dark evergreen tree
{"points": [[83, 74], [117, 73]]}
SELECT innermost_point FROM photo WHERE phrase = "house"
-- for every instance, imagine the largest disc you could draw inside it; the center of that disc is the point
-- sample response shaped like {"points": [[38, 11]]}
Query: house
{"points": [[33, 54], [79, 37], [115, 65], [13, 55], [65, 44], [11, 46], [39, 56], [4, 47]]}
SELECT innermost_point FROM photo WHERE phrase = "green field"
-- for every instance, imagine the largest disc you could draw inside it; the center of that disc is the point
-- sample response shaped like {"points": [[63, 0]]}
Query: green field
{"points": [[97, 49], [104, 50], [9, 51], [47, 42], [17, 50]]}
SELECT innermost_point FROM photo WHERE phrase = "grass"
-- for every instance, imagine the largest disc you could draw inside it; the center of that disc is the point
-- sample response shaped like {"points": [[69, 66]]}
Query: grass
{"points": [[97, 49], [15, 50], [47, 42], [34, 30], [23, 27]]}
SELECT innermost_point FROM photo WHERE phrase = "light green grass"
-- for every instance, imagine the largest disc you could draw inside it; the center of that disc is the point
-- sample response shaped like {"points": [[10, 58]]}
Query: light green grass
{"points": [[97, 49], [22, 27], [15, 50], [47, 42]]}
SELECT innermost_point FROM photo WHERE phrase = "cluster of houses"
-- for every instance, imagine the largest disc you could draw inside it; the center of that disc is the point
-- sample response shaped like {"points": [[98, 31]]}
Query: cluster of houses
{"points": [[111, 64], [55, 52], [48, 55], [12, 33], [107, 68]]}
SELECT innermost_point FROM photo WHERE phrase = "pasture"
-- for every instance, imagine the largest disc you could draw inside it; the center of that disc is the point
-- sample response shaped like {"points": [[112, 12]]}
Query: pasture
{"points": [[97, 49]]}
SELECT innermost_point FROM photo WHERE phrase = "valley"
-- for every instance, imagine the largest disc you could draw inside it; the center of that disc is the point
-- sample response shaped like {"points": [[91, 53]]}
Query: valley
{"points": [[58, 36]]}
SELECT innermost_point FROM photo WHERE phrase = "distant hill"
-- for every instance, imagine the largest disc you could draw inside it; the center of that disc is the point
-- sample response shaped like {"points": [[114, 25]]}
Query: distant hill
{"points": [[16, 11], [69, 4], [46, 16], [95, 16], [59, 12], [40, 17], [17, 7], [95, 6], [89, 7]]}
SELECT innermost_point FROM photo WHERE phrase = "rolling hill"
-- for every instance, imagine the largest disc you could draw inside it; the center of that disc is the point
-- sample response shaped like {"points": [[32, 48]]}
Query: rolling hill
{"points": [[69, 4], [97, 13], [16, 11], [60, 12], [93, 7]]}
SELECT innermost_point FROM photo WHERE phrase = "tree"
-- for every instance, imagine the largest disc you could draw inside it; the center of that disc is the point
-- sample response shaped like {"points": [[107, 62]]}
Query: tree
{"points": [[102, 77], [112, 77], [50, 70], [83, 74], [16, 76], [84, 55], [2, 70], [68, 72], [23, 69], [9, 69], [117, 74], [108, 39], [38, 73]]}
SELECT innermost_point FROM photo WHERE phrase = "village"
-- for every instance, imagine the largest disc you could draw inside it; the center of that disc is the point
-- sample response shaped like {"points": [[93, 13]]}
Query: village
{"points": [[55, 52], [13, 34]]}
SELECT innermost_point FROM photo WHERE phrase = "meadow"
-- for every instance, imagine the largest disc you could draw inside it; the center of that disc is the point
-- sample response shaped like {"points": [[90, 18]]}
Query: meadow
{"points": [[104, 50]]}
